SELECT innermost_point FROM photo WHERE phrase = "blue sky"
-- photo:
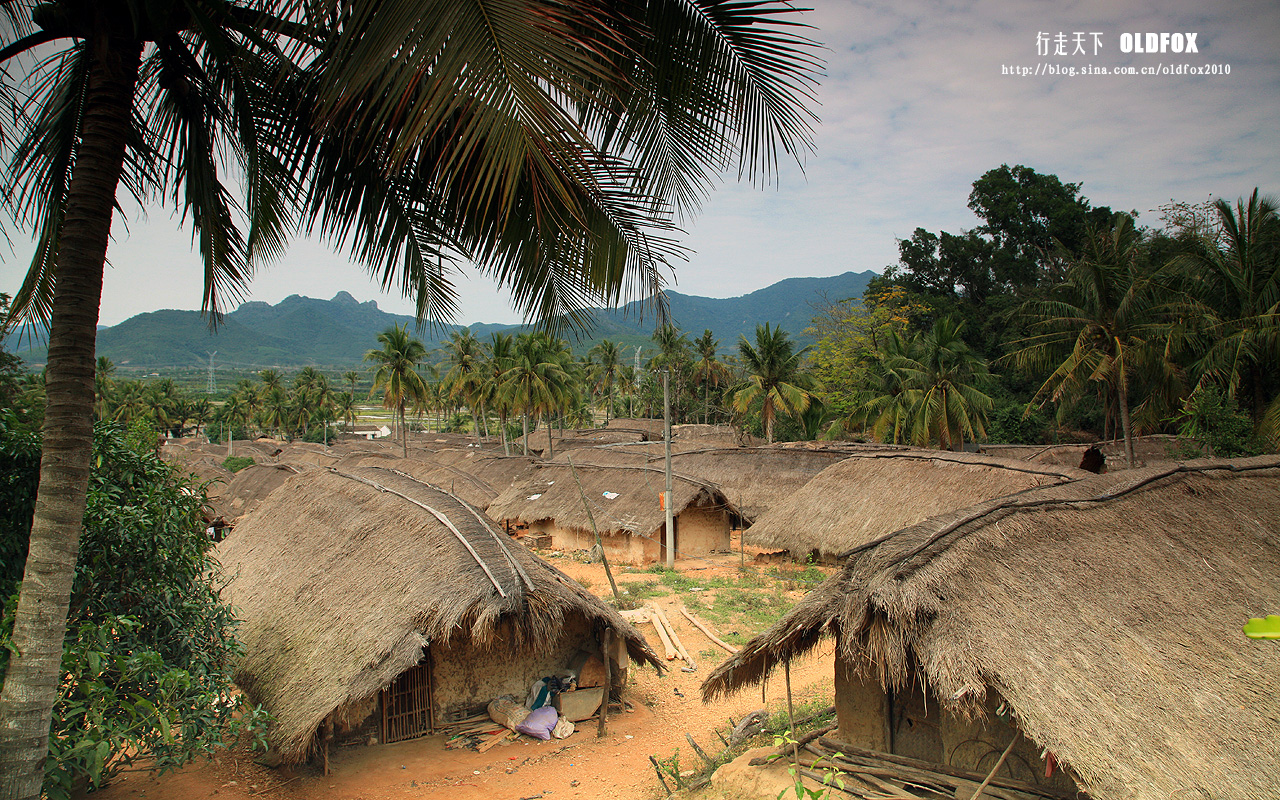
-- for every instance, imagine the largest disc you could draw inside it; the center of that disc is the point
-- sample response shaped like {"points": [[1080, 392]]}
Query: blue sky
{"points": [[913, 109]]}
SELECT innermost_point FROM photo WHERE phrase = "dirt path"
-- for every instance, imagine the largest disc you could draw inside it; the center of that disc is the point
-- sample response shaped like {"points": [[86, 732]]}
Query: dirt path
{"points": [[583, 766]]}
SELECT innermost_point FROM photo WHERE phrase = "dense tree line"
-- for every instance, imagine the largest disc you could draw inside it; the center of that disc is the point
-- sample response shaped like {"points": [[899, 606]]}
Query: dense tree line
{"points": [[1054, 318]]}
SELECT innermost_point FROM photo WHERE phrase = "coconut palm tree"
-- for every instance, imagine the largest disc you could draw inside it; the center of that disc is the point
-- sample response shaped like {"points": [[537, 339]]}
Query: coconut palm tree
{"points": [[942, 379], [501, 352], [103, 386], [426, 137], [1233, 301], [352, 378], [606, 370], [464, 355], [708, 370], [345, 408], [536, 381], [774, 378], [1102, 324], [396, 375]]}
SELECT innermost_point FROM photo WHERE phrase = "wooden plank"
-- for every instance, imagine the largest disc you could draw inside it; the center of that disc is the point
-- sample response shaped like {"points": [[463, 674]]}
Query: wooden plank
{"points": [[494, 740], [853, 751]]}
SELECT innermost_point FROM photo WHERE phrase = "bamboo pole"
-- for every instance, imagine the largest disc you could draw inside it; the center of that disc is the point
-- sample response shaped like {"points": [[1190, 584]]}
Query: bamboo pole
{"points": [[675, 640], [982, 786], [603, 558], [791, 717], [608, 680], [662, 634], [707, 631]]}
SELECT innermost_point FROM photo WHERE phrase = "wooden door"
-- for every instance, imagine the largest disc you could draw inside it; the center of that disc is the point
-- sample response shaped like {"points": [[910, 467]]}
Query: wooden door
{"points": [[406, 704]]}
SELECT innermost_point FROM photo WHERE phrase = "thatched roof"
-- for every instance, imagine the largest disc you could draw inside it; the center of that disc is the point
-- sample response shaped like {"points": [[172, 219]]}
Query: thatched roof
{"points": [[552, 493], [476, 476], [1105, 613], [872, 493], [249, 487], [341, 580], [1152, 449], [756, 479]]}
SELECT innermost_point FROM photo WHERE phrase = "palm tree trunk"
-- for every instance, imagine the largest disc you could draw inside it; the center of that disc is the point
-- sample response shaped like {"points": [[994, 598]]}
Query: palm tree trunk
{"points": [[404, 434], [479, 417], [525, 420], [33, 677], [551, 447], [1123, 391]]}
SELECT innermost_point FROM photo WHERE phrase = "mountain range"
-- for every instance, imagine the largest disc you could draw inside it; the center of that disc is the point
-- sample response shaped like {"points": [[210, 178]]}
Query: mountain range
{"points": [[299, 330]]}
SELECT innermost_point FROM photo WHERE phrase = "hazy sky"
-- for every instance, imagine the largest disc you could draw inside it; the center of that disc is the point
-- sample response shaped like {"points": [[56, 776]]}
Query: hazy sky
{"points": [[916, 105]]}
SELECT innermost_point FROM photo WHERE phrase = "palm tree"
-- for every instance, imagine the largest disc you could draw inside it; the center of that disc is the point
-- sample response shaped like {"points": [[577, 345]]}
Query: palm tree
{"points": [[103, 386], [536, 380], [501, 354], [464, 354], [606, 371], [1234, 301], [345, 408], [397, 374], [352, 378], [708, 370], [1105, 318], [574, 137], [941, 381], [774, 378]]}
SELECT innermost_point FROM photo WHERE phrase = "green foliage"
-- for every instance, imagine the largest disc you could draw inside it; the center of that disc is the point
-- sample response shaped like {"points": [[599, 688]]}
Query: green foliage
{"points": [[237, 463], [1012, 424], [1263, 628], [148, 641], [1216, 420]]}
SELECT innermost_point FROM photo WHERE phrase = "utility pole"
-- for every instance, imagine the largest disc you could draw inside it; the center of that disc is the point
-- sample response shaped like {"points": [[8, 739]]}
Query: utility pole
{"points": [[666, 437], [212, 386]]}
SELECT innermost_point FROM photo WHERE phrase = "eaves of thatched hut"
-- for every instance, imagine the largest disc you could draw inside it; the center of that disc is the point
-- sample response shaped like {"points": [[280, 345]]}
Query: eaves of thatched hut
{"points": [[625, 505], [1104, 615], [873, 493], [373, 605]]}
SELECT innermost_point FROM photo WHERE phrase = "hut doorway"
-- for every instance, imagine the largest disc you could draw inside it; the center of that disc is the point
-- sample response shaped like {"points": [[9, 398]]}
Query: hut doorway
{"points": [[406, 704]]}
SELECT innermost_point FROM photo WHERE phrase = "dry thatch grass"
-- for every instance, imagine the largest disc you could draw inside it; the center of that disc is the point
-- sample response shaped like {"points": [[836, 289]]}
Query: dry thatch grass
{"points": [[873, 493], [1105, 612], [340, 585], [552, 493], [250, 487], [756, 479], [1158, 448]]}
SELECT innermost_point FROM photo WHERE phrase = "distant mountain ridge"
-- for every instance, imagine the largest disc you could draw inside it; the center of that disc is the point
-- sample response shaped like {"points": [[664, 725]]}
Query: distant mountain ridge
{"points": [[299, 330]]}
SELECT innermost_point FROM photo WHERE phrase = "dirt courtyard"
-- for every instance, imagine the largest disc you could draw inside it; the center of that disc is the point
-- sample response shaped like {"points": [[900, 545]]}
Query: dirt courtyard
{"points": [[662, 710]]}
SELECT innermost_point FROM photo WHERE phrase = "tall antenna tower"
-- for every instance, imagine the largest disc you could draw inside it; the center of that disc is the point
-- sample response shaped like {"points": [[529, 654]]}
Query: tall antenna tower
{"points": [[213, 386]]}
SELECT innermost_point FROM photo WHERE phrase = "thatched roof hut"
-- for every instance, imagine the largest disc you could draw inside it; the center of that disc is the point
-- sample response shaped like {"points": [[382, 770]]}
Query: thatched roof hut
{"points": [[869, 494], [1104, 613], [756, 478], [343, 580], [249, 487], [625, 505], [1149, 450]]}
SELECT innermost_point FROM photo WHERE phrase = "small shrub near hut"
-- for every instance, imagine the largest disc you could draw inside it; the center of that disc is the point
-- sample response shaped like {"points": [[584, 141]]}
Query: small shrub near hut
{"points": [[237, 463]]}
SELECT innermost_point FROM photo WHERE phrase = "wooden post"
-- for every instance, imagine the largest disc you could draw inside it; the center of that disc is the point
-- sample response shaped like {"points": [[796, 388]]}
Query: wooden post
{"points": [[617, 599], [666, 428], [791, 717], [608, 681]]}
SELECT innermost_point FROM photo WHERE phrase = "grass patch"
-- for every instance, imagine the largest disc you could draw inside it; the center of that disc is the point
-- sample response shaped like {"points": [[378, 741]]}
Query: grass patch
{"points": [[237, 463], [641, 590]]}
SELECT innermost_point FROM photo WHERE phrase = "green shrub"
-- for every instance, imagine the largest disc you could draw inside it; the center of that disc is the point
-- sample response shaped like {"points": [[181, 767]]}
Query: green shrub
{"points": [[148, 640], [237, 463]]}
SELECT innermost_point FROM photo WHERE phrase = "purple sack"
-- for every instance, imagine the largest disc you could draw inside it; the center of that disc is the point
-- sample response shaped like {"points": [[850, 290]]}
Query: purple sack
{"points": [[539, 723]]}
